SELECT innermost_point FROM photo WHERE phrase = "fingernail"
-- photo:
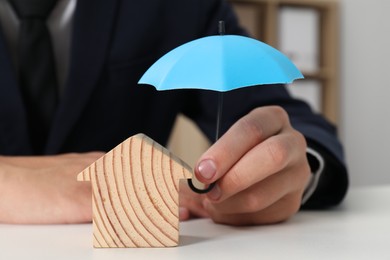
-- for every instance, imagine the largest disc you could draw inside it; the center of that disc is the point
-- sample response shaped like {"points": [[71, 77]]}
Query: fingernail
{"points": [[215, 193], [207, 169]]}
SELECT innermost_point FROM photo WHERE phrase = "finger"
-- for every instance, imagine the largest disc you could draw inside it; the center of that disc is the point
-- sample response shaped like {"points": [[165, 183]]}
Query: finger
{"points": [[278, 212], [266, 159], [184, 214], [190, 204], [265, 193], [246, 133]]}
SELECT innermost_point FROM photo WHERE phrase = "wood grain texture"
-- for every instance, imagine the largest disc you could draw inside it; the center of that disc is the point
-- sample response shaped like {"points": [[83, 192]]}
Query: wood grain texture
{"points": [[135, 196]]}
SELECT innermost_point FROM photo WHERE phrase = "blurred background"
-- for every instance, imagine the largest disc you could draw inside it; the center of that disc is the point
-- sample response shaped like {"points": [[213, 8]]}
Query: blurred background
{"points": [[342, 48]]}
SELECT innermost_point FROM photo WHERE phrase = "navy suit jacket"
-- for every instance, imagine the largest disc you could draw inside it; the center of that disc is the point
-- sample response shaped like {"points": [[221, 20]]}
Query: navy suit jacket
{"points": [[113, 44]]}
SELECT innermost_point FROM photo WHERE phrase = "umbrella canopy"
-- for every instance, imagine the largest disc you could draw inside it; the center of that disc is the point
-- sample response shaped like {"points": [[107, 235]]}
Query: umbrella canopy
{"points": [[220, 63]]}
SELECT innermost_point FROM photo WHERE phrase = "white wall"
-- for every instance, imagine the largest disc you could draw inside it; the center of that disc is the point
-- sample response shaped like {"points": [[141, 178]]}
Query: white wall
{"points": [[365, 102]]}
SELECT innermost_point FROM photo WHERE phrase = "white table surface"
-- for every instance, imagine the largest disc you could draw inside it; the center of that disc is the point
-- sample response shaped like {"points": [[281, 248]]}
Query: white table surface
{"points": [[359, 229]]}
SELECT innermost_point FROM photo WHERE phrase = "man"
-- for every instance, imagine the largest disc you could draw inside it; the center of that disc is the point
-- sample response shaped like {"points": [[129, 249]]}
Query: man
{"points": [[275, 157]]}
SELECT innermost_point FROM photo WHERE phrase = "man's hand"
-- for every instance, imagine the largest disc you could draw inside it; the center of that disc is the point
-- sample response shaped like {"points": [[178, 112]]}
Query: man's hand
{"points": [[261, 171], [44, 189]]}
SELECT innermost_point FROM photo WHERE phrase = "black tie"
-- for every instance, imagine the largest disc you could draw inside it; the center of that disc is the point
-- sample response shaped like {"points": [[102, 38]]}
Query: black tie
{"points": [[36, 68]]}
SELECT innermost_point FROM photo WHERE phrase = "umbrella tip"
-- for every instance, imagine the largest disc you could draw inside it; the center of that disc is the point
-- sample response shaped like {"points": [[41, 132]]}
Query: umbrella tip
{"points": [[221, 27]]}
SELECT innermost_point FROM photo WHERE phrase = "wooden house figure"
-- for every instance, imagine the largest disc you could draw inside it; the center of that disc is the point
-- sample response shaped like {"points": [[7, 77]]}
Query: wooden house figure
{"points": [[135, 196]]}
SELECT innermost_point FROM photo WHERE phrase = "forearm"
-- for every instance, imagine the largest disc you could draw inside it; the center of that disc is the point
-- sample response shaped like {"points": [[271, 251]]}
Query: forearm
{"points": [[12, 186], [44, 189]]}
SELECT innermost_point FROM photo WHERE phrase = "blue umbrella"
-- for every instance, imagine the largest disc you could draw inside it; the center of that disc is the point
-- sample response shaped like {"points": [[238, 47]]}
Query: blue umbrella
{"points": [[220, 63]]}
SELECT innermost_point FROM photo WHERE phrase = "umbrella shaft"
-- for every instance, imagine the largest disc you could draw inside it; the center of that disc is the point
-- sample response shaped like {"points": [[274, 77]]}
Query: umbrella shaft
{"points": [[219, 115]]}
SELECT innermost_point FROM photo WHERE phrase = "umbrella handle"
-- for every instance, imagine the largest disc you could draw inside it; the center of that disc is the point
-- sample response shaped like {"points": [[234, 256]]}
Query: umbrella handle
{"points": [[200, 191], [221, 30], [218, 130]]}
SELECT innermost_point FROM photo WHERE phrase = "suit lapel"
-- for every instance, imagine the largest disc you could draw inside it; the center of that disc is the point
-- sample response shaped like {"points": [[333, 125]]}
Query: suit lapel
{"points": [[92, 27]]}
